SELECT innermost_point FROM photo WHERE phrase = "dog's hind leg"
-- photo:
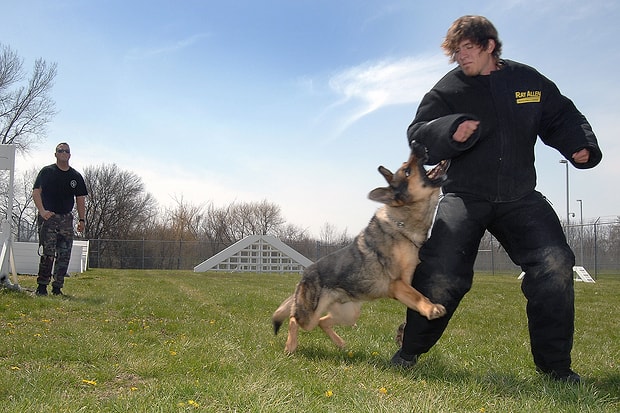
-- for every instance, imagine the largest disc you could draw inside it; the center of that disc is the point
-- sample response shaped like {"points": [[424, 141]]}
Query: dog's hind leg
{"points": [[345, 314], [291, 340]]}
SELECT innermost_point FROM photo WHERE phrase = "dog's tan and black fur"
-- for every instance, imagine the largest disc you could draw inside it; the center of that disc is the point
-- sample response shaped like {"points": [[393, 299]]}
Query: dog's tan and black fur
{"points": [[378, 264]]}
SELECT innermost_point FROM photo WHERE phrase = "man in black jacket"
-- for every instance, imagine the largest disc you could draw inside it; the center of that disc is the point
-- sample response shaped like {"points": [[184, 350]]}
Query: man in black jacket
{"points": [[485, 115]]}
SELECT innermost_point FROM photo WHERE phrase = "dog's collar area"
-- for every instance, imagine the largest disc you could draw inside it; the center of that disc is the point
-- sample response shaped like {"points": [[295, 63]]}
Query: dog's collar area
{"points": [[401, 225]]}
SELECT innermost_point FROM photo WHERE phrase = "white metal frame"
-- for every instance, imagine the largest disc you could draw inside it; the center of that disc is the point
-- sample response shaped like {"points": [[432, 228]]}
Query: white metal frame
{"points": [[256, 253], [7, 163]]}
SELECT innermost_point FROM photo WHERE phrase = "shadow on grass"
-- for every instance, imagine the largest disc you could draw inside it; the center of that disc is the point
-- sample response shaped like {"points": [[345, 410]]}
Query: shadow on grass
{"points": [[428, 368], [609, 384], [432, 368], [26, 292]]}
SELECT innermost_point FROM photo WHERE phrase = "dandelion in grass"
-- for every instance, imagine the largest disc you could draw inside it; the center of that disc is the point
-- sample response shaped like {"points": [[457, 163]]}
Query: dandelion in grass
{"points": [[212, 322], [173, 353], [133, 388], [383, 390], [193, 403], [15, 368], [329, 393], [37, 335], [89, 382]]}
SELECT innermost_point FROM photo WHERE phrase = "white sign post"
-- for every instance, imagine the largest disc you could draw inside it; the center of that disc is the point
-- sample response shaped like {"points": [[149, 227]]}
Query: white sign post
{"points": [[7, 163]]}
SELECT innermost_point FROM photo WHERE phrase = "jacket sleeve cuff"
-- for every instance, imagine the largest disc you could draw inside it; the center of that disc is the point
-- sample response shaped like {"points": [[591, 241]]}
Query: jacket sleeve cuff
{"points": [[437, 134]]}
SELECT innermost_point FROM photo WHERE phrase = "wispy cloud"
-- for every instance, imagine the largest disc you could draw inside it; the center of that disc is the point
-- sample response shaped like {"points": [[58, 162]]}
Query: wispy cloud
{"points": [[138, 53], [562, 10], [371, 86]]}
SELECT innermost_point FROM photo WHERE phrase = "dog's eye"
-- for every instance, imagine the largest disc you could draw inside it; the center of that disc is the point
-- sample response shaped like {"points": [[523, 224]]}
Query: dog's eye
{"points": [[407, 172]]}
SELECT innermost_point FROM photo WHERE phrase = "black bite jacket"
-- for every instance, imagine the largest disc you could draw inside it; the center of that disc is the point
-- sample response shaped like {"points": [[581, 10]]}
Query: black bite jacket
{"points": [[514, 105]]}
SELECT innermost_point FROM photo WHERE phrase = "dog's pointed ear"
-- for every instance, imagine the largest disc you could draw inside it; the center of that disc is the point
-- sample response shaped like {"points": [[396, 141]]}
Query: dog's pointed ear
{"points": [[387, 174], [383, 195]]}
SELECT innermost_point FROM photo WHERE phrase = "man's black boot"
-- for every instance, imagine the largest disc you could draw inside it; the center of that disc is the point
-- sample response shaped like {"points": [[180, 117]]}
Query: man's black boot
{"points": [[565, 375], [41, 290]]}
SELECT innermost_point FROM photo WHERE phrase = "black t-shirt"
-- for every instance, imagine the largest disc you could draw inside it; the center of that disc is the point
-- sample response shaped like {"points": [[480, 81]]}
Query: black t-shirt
{"points": [[59, 188]]}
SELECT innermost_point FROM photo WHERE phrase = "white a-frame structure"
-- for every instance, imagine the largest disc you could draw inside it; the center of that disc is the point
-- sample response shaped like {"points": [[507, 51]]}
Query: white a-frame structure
{"points": [[256, 253]]}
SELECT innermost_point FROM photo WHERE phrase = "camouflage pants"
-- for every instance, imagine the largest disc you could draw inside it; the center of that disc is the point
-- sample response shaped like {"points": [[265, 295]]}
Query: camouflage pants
{"points": [[55, 242]]}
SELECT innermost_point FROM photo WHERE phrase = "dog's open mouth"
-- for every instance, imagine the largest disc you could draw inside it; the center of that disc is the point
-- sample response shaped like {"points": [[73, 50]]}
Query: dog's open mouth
{"points": [[436, 175]]}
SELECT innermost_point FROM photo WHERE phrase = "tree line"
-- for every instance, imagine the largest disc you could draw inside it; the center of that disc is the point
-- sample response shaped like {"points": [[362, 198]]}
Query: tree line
{"points": [[118, 207]]}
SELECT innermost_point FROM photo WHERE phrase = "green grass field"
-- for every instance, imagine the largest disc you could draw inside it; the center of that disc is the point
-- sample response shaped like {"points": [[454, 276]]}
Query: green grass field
{"points": [[175, 341]]}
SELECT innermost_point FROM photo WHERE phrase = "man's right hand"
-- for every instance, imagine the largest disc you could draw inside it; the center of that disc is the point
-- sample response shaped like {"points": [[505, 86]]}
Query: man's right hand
{"points": [[465, 130], [46, 214]]}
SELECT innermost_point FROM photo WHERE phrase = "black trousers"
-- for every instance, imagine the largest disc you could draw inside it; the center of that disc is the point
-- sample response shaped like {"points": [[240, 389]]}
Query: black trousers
{"points": [[55, 243], [531, 233]]}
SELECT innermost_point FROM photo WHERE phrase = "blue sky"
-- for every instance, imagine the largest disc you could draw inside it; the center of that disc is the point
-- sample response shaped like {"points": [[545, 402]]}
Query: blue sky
{"points": [[297, 102]]}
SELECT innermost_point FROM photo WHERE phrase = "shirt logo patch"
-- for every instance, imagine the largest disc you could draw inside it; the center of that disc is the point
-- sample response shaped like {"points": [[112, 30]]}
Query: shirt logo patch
{"points": [[73, 183], [528, 96]]}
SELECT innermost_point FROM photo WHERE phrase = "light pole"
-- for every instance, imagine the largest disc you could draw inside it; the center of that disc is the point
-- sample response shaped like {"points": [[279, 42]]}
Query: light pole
{"points": [[565, 162], [581, 229]]}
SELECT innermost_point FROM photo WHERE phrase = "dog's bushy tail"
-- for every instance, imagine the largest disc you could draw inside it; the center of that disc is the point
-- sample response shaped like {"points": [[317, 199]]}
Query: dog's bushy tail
{"points": [[282, 313]]}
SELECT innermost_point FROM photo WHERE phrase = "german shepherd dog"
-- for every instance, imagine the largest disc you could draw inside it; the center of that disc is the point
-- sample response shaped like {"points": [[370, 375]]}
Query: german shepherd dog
{"points": [[378, 264]]}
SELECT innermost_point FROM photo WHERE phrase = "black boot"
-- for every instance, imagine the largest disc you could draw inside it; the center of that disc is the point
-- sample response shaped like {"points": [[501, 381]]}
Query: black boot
{"points": [[41, 290], [56, 291]]}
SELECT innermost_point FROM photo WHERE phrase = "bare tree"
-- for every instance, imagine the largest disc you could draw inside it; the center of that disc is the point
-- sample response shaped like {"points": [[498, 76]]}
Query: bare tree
{"points": [[24, 210], [23, 213], [254, 218], [268, 217], [184, 222], [25, 111], [117, 205], [217, 226], [292, 233], [241, 220], [330, 236]]}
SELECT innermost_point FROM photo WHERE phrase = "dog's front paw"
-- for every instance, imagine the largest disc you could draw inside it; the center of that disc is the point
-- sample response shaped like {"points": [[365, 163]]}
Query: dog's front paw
{"points": [[437, 311]]}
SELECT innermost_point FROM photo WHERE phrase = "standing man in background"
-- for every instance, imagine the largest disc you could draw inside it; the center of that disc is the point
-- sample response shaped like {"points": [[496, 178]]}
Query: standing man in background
{"points": [[485, 115], [57, 188]]}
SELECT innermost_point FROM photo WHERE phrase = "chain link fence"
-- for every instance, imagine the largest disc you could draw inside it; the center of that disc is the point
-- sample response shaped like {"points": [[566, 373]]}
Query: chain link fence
{"points": [[596, 246]]}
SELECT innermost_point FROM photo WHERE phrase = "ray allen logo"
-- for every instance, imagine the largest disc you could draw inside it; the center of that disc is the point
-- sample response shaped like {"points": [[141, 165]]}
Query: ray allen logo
{"points": [[528, 96]]}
